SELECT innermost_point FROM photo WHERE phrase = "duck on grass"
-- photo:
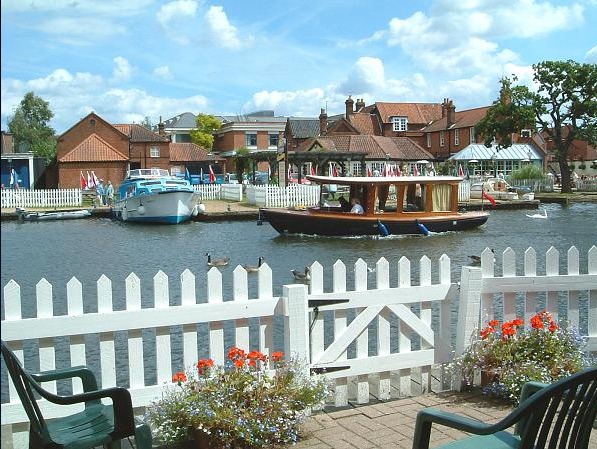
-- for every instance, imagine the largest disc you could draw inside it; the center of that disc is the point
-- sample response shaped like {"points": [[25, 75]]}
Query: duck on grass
{"points": [[252, 401]]}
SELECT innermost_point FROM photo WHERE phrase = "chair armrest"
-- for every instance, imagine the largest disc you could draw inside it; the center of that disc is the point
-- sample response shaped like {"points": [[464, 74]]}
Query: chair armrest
{"points": [[124, 419], [429, 415], [82, 372]]}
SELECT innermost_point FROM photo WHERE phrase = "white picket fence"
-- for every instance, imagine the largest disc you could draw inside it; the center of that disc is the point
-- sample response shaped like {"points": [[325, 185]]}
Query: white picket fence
{"points": [[388, 340], [231, 192], [274, 196], [11, 198]]}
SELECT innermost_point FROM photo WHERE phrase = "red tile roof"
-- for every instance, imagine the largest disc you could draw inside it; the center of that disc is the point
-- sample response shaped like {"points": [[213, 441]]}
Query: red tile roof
{"points": [[138, 133], [462, 119], [93, 149], [190, 152], [421, 113], [365, 123]]}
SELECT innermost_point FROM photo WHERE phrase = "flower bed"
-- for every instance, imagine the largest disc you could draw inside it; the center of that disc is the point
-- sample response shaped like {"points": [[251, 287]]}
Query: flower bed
{"points": [[511, 355], [240, 405]]}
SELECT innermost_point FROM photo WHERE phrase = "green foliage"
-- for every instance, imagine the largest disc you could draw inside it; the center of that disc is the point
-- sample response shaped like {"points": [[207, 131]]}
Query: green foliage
{"points": [[241, 162], [544, 352], [203, 135], [564, 106], [29, 127], [242, 404], [529, 171]]}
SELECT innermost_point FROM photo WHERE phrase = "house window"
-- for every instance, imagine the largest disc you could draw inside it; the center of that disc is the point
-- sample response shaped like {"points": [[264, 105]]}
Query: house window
{"points": [[428, 140], [251, 139], [473, 139], [399, 123], [456, 137], [154, 152], [273, 140], [442, 139]]}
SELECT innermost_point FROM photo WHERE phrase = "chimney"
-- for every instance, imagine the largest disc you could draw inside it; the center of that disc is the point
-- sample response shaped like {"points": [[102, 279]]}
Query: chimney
{"points": [[323, 122], [349, 106], [451, 114], [360, 104], [445, 108], [161, 127]]}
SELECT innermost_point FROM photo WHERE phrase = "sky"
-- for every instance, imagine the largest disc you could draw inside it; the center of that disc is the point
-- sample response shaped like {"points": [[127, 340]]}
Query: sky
{"points": [[137, 59]]}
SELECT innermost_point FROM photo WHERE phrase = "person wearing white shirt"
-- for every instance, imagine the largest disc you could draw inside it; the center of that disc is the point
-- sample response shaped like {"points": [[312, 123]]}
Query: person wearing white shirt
{"points": [[356, 207]]}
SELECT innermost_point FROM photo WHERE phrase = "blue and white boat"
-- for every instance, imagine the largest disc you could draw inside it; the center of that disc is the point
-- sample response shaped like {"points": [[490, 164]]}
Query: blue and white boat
{"points": [[152, 195]]}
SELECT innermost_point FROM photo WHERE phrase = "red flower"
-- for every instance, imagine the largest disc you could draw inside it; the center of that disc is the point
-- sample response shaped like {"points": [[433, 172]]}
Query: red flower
{"points": [[277, 356], [553, 327], [239, 363], [537, 322], [494, 323], [518, 322], [486, 332], [236, 353], [203, 364], [179, 377], [256, 355]]}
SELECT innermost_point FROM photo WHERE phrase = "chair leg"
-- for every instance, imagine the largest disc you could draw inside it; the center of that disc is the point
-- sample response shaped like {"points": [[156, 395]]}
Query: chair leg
{"points": [[143, 438]]}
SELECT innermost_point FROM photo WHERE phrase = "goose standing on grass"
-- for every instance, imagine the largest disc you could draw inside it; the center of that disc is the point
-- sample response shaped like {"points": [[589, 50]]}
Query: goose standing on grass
{"points": [[477, 259], [543, 215], [217, 262], [303, 277], [254, 269]]}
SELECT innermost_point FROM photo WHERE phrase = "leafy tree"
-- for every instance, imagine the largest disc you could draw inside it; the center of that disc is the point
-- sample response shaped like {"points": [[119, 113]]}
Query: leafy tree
{"points": [[529, 171], [203, 135], [564, 107], [29, 127], [241, 162]]}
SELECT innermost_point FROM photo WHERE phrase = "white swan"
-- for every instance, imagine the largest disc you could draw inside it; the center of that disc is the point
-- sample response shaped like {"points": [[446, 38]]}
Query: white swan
{"points": [[543, 215]]}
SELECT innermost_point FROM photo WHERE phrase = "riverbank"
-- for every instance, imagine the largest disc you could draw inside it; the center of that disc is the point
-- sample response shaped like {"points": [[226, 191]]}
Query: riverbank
{"points": [[218, 210]]}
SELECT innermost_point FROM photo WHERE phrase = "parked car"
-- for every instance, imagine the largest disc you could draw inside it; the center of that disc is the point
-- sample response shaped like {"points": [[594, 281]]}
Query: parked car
{"points": [[294, 179], [231, 178]]}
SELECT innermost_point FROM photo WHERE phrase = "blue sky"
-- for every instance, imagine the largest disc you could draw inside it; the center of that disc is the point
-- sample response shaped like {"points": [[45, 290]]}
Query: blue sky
{"points": [[142, 58]]}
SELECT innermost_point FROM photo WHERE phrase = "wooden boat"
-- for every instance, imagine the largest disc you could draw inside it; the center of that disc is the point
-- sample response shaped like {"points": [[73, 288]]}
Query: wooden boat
{"points": [[392, 205], [53, 215]]}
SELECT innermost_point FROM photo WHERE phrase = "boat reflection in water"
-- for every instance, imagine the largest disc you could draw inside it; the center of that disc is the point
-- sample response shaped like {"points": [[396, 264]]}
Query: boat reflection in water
{"points": [[154, 196], [392, 205]]}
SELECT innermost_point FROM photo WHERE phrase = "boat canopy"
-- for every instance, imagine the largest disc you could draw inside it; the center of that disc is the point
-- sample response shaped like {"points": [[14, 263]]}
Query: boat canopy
{"points": [[360, 180]]}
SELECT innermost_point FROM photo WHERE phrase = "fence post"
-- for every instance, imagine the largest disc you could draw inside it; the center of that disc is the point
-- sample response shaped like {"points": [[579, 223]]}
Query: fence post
{"points": [[297, 323], [469, 306]]}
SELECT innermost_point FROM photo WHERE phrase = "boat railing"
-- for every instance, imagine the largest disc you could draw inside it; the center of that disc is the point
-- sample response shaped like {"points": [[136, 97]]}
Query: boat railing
{"points": [[147, 173]]}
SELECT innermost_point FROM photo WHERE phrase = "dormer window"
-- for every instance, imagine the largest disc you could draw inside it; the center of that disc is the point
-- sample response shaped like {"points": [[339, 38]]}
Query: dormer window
{"points": [[399, 123]]}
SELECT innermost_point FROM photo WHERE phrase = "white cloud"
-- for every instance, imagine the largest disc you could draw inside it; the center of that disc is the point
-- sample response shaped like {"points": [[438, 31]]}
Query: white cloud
{"points": [[176, 10], [163, 72], [298, 102], [591, 56], [221, 31], [81, 30], [122, 70], [110, 7]]}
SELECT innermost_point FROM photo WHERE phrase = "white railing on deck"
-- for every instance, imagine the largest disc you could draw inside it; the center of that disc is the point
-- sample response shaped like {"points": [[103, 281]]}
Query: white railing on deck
{"points": [[413, 322], [274, 196], [11, 198]]}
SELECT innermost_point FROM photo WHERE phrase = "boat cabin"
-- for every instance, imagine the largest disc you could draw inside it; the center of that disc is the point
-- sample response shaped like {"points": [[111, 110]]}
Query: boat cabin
{"points": [[399, 196]]}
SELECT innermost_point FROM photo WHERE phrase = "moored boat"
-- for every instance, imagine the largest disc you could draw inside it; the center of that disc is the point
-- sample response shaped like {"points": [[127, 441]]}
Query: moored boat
{"points": [[26, 215], [154, 196], [391, 205]]}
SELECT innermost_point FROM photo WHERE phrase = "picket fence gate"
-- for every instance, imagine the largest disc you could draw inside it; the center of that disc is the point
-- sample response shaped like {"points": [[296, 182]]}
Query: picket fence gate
{"points": [[388, 340], [11, 198]]}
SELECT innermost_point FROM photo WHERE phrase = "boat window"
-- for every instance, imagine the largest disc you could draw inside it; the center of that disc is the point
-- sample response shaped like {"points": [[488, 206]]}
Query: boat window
{"points": [[150, 183], [415, 198], [177, 183], [442, 198], [386, 198]]}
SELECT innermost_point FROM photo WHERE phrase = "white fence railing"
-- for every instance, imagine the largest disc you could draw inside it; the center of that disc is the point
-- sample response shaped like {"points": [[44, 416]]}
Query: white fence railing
{"points": [[274, 196], [11, 198], [389, 336]]}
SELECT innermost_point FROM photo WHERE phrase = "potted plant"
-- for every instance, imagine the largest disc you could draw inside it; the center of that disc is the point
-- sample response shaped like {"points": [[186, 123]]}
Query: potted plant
{"points": [[509, 355], [253, 401]]}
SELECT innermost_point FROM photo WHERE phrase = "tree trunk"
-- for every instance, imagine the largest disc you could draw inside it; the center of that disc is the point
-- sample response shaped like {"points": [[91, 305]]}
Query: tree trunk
{"points": [[565, 174]]}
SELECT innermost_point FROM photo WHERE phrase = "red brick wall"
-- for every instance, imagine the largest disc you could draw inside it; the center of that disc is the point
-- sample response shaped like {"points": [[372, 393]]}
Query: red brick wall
{"points": [[70, 173]]}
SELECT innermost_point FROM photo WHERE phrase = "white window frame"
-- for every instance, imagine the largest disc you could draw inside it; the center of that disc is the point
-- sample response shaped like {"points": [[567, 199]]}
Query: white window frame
{"points": [[456, 137], [473, 137], [247, 136], [442, 139], [270, 135], [399, 123], [154, 151], [428, 140]]}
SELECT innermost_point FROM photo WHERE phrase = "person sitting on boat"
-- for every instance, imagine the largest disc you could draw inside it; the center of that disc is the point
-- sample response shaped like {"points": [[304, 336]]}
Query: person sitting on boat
{"points": [[344, 204], [356, 206]]}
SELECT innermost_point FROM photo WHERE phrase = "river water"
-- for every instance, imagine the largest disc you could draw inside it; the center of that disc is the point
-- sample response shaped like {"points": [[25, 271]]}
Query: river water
{"points": [[88, 248]]}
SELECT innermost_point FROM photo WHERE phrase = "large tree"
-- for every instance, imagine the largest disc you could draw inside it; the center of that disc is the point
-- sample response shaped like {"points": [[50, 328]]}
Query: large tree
{"points": [[203, 135], [564, 108], [29, 127]]}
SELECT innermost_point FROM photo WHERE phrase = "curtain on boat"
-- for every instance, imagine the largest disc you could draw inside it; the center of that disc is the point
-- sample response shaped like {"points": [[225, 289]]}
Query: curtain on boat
{"points": [[442, 195]]}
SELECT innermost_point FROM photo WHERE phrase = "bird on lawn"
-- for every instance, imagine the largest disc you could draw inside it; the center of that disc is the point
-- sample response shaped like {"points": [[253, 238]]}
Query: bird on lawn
{"points": [[252, 268], [303, 277], [477, 259], [217, 262]]}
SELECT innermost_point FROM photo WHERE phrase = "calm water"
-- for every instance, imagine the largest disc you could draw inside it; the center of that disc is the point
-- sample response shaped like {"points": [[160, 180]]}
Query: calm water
{"points": [[88, 248]]}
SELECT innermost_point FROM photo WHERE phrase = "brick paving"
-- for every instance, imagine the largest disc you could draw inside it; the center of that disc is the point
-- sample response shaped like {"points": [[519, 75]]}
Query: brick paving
{"points": [[391, 424]]}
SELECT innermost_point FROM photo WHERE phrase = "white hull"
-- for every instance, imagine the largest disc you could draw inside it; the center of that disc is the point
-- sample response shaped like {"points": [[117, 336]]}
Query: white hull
{"points": [[161, 207]]}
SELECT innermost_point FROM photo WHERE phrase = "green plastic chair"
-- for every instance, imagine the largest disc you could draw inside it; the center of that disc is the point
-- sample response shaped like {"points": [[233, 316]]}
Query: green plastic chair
{"points": [[559, 415], [97, 425]]}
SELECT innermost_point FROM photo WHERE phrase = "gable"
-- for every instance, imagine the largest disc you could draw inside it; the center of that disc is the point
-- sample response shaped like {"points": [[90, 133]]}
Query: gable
{"points": [[93, 149], [417, 113]]}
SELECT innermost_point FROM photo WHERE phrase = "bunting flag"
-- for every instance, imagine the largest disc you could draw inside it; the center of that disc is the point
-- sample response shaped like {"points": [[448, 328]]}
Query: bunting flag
{"points": [[290, 172], [335, 171], [460, 171], [83, 181], [398, 172], [415, 170], [385, 169], [201, 175], [489, 198], [187, 174], [391, 170], [369, 171], [14, 179], [95, 179], [212, 176], [90, 183], [313, 171]]}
